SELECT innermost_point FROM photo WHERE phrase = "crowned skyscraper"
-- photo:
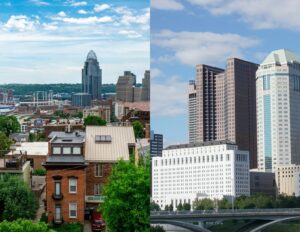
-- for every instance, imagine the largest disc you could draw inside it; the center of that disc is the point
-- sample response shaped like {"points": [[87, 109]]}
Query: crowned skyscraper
{"points": [[92, 76]]}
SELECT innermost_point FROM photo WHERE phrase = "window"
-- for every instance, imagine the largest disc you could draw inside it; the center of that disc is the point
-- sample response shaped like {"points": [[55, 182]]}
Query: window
{"points": [[99, 170], [57, 188], [98, 189], [73, 210], [66, 150], [76, 150], [58, 213], [73, 185], [56, 150]]}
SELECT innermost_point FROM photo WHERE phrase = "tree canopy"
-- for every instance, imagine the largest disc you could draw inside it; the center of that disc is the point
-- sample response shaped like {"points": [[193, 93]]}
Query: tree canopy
{"points": [[5, 143], [9, 124], [138, 129], [16, 199], [127, 203], [24, 226], [92, 120]]}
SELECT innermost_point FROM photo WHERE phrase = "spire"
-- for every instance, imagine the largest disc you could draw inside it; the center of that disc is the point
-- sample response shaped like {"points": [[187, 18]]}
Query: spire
{"points": [[91, 55]]}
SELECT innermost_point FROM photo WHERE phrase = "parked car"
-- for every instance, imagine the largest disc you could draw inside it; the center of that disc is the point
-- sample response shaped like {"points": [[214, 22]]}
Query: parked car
{"points": [[97, 222]]}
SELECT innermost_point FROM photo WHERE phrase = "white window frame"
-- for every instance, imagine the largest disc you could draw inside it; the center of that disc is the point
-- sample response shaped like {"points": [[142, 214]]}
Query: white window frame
{"points": [[55, 188], [72, 207], [101, 170], [66, 153], [55, 149], [97, 189], [70, 184], [58, 216]]}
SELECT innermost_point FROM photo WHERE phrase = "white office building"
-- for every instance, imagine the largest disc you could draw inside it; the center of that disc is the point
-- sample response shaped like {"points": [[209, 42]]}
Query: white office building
{"points": [[278, 110], [205, 170]]}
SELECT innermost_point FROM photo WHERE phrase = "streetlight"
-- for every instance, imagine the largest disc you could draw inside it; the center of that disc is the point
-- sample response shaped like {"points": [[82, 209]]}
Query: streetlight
{"points": [[232, 194]]}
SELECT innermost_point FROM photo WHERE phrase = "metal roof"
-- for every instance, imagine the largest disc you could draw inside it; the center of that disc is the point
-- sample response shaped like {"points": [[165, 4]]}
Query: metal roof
{"points": [[55, 160], [121, 138], [281, 56]]}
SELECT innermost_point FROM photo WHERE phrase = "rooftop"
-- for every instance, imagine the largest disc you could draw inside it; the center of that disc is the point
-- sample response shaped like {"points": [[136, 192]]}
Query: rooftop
{"points": [[117, 148], [281, 56], [67, 137], [209, 143], [70, 160], [91, 55], [33, 148]]}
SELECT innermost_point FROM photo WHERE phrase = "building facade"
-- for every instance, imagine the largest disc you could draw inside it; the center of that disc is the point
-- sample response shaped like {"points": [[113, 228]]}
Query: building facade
{"points": [[288, 180], [192, 112], [156, 144], [209, 170], [278, 99], [92, 76], [262, 182], [146, 86], [124, 88], [81, 99]]}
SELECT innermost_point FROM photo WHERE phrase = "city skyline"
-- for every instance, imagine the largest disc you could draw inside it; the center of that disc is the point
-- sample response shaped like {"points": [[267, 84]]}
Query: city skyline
{"points": [[208, 33], [36, 34]]}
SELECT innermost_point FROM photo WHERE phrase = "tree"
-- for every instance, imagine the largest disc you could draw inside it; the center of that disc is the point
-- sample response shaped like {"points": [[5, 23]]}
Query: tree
{"points": [[166, 207], [204, 204], [223, 204], [24, 226], [157, 228], [94, 121], [127, 203], [186, 206], [179, 207], [5, 143], [9, 124], [138, 129], [16, 199], [154, 206]]}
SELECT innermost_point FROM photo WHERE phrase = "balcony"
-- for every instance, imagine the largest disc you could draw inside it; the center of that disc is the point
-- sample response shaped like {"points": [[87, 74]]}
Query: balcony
{"points": [[94, 199], [57, 197]]}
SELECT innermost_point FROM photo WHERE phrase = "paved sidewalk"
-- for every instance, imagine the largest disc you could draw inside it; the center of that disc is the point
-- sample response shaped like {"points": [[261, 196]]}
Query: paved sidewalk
{"points": [[87, 226], [41, 208]]}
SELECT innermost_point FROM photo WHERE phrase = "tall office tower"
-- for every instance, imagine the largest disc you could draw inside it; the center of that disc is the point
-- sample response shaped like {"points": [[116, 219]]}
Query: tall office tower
{"points": [[226, 108], [92, 76], [206, 102], [156, 144], [124, 88], [146, 86], [278, 111], [192, 112]]}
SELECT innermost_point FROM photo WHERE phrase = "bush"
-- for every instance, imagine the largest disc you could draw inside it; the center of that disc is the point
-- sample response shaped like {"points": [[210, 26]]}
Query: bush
{"points": [[44, 218], [39, 172], [157, 228], [67, 227], [24, 226]]}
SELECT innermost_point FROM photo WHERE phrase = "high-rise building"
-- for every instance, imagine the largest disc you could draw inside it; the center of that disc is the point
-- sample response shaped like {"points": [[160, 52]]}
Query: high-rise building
{"points": [[225, 105], [187, 172], [278, 111], [81, 99], [156, 144], [146, 86], [92, 76], [124, 88], [192, 112]]}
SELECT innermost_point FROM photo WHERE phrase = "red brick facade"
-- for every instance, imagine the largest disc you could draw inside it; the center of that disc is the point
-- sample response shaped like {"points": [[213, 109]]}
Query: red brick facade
{"points": [[78, 197]]}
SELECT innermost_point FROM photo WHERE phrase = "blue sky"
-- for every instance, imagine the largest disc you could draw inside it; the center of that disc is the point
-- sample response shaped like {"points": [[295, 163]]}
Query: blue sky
{"points": [[189, 32], [47, 41]]}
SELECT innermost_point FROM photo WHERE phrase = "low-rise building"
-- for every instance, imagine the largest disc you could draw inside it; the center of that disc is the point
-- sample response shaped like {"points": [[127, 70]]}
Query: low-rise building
{"points": [[206, 170], [103, 111], [288, 180], [262, 182]]}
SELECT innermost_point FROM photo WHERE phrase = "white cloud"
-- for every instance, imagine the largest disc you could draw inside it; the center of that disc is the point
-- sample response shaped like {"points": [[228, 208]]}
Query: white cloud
{"points": [[260, 14], [75, 4], [130, 18], [101, 7], [82, 12], [62, 14], [49, 26], [40, 3], [175, 103], [130, 33], [20, 23], [87, 20], [202, 47], [156, 72], [166, 5]]}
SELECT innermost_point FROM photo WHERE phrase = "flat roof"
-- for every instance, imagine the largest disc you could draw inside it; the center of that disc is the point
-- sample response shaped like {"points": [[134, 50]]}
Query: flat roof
{"points": [[33, 148], [208, 143]]}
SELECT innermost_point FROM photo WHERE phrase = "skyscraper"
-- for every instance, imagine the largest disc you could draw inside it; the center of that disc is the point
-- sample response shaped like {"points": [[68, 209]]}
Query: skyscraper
{"points": [[92, 76], [146, 86], [278, 111], [156, 144], [192, 112], [124, 88], [225, 105]]}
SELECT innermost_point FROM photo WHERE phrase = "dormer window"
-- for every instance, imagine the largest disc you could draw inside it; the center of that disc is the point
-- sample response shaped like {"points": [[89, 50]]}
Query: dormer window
{"points": [[56, 150], [66, 150], [103, 138]]}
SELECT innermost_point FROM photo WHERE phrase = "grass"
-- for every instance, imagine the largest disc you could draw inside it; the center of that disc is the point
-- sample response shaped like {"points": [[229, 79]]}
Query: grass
{"points": [[230, 225], [286, 227]]}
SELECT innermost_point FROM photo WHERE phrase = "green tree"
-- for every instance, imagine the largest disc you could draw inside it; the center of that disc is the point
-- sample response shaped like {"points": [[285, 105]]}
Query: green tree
{"points": [[5, 143], [179, 207], [166, 207], [157, 228], [224, 204], [127, 203], [16, 199], [94, 121], [186, 206], [154, 206], [138, 129], [204, 204], [24, 226], [9, 124]]}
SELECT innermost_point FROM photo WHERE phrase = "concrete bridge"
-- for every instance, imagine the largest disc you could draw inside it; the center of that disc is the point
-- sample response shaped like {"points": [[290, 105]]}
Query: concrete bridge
{"points": [[194, 220]]}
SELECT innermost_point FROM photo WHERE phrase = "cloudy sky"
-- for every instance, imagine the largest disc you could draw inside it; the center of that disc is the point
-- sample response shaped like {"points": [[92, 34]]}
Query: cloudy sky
{"points": [[189, 32], [47, 41]]}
